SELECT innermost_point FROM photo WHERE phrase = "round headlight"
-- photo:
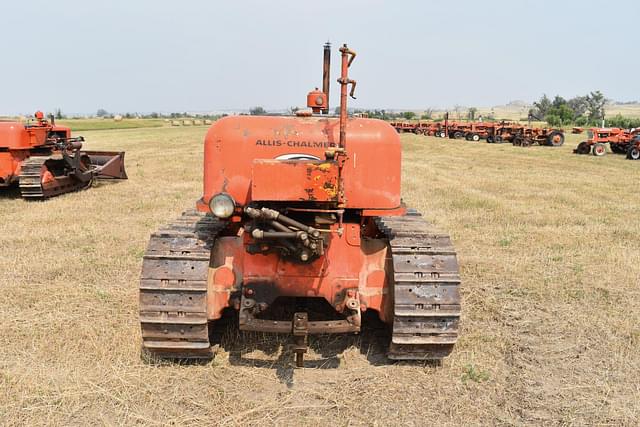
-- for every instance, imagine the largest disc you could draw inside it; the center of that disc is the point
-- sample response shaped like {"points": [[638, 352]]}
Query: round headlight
{"points": [[222, 205]]}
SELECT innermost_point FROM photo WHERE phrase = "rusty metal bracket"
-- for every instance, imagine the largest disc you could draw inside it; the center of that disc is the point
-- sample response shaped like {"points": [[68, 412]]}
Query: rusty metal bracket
{"points": [[300, 332]]}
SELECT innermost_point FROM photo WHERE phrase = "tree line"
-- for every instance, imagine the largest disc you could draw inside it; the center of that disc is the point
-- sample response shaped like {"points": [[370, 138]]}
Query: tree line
{"points": [[585, 110], [579, 111]]}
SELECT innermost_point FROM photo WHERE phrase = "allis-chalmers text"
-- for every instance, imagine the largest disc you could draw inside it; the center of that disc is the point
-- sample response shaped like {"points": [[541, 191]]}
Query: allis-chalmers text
{"points": [[306, 144]]}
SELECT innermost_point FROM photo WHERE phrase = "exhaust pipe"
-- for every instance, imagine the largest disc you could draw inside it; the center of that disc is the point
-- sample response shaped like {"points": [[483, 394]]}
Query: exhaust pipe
{"points": [[326, 71]]}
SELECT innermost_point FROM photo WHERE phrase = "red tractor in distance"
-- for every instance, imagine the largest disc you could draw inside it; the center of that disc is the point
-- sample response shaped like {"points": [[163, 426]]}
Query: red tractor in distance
{"points": [[45, 161], [525, 136], [619, 141]]}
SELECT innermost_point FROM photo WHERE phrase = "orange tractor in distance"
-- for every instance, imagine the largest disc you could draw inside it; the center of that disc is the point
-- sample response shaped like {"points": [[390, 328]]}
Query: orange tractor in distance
{"points": [[619, 140], [44, 160], [301, 230]]}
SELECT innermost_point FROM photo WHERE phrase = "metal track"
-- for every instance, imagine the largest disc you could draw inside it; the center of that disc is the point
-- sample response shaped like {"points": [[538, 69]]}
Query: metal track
{"points": [[30, 180], [426, 290], [173, 288]]}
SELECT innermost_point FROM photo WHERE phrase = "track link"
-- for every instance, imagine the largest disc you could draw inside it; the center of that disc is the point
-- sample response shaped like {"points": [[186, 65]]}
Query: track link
{"points": [[30, 180], [426, 289], [173, 288]]}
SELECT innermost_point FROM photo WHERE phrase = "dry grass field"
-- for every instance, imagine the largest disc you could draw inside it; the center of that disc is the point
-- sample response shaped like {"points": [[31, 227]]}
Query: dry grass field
{"points": [[549, 247]]}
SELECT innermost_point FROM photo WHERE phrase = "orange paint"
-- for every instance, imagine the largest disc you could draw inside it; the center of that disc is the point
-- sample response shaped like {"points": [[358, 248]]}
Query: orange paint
{"points": [[343, 267], [371, 173], [17, 140]]}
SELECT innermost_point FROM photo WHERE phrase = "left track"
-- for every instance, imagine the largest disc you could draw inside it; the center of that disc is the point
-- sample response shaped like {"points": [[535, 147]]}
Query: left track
{"points": [[32, 187], [173, 288]]}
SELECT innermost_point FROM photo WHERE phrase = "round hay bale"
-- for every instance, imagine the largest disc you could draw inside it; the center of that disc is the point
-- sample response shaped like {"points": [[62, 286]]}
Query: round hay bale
{"points": [[175, 123], [187, 122], [117, 118], [197, 122], [207, 122]]}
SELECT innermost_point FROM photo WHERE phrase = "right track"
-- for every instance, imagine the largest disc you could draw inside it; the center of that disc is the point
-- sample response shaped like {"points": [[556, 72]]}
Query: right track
{"points": [[425, 291]]}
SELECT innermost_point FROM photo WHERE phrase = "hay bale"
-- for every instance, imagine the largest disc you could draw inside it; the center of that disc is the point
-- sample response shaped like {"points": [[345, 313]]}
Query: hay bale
{"points": [[207, 122], [197, 122], [175, 123], [187, 122], [117, 118]]}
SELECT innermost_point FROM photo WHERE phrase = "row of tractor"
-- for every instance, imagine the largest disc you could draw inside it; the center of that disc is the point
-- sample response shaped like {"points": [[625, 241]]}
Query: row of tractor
{"points": [[493, 132], [620, 141]]}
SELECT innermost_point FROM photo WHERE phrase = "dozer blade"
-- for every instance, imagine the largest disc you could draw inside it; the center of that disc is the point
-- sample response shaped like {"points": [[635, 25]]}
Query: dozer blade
{"points": [[108, 164]]}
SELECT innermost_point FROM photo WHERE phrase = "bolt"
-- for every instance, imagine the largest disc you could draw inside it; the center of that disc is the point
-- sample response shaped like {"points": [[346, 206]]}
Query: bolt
{"points": [[248, 292], [304, 256]]}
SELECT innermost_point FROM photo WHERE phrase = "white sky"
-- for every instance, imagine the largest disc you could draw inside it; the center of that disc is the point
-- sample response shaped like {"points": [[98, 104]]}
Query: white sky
{"points": [[198, 55]]}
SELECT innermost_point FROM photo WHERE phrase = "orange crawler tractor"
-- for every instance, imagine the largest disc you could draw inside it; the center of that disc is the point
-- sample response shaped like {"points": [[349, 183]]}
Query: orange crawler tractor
{"points": [[300, 230], [44, 160]]}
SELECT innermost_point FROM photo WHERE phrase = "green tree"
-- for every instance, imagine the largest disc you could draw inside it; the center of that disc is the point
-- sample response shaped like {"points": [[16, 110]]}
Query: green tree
{"points": [[581, 121], [561, 115], [472, 113], [427, 114], [553, 120], [541, 107], [595, 106], [102, 112], [558, 101], [257, 111], [58, 114], [578, 105], [620, 121], [409, 115]]}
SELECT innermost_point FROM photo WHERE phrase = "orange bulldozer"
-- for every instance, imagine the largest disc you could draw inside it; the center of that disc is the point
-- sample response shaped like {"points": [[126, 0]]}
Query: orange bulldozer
{"points": [[301, 230], [45, 161]]}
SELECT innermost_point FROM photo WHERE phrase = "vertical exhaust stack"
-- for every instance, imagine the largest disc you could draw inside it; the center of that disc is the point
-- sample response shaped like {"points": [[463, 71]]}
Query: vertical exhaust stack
{"points": [[326, 71], [347, 58]]}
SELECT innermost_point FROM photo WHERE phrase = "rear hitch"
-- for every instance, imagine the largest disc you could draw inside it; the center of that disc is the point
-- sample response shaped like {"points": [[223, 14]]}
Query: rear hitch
{"points": [[300, 332]]}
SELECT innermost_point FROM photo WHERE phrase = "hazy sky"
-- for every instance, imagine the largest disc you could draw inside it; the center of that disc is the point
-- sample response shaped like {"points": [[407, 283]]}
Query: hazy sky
{"points": [[154, 55]]}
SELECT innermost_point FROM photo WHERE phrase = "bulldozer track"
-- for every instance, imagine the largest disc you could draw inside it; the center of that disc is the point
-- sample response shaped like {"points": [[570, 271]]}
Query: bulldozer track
{"points": [[426, 289], [30, 180], [173, 288]]}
